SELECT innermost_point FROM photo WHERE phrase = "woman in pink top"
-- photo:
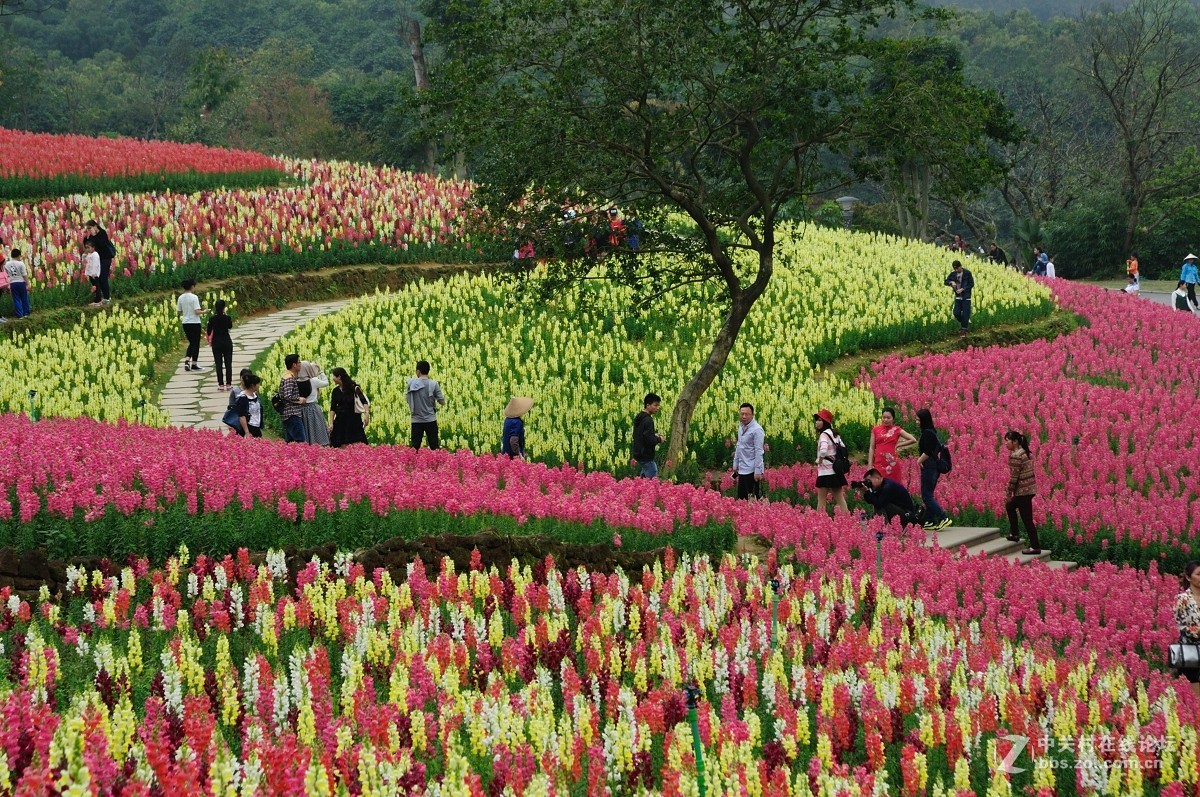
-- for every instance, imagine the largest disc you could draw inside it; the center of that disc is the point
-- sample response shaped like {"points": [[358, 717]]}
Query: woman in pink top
{"points": [[887, 440]]}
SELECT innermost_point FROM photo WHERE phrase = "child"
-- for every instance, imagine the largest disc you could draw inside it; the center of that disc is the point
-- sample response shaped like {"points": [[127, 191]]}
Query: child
{"points": [[249, 408], [17, 275], [1132, 287], [91, 270]]}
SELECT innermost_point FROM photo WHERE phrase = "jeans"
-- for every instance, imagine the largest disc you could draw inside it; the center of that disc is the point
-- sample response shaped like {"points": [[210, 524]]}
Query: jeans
{"points": [[962, 312], [429, 431], [929, 480], [293, 429], [193, 337], [649, 469], [20, 297], [102, 280], [223, 362], [1024, 505]]}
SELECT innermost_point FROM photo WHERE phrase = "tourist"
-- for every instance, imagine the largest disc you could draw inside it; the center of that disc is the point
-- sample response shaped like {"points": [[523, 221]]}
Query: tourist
{"points": [[747, 468], [188, 305], [249, 407], [962, 283], [1187, 616], [1050, 271], [349, 411], [236, 390], [1040, 259], [219, 340], [645, 437], [887, 497], [309, 383], [831, 485], [1131, 267], [3, 279], [1022, 486], [887, 441], [1189, 275], [98, 237], [292, 411], [1134, 288], [929, 446], [91, 270], [512, 434], [1180, 295], [18, 284], [424, 395], [996, 255]]}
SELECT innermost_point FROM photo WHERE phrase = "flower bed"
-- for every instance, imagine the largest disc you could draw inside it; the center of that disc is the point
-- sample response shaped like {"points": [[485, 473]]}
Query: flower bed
{"points": [[78, 485], [217, 674], [336, 213], [589, 366], [42, 165], [1107, 409]]}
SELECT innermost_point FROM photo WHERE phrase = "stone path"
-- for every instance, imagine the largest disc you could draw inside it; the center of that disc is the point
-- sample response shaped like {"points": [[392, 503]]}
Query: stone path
{"points": [[990, 541], [192, 398]]}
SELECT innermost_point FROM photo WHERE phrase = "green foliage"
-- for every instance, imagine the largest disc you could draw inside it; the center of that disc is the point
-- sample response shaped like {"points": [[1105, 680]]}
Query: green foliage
{"points": [[28, 188], [1086, 239], [158, 535], [1161, 249], [253, 264]]}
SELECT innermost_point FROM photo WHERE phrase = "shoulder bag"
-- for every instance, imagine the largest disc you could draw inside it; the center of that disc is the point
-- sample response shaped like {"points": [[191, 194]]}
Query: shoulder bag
{"points": [[361, 404], [1183, 656]]}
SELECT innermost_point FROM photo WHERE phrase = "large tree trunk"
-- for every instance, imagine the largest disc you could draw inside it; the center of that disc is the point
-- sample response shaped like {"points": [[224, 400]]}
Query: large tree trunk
{"points": [[411, 31], [912, 206], [689, 397]]}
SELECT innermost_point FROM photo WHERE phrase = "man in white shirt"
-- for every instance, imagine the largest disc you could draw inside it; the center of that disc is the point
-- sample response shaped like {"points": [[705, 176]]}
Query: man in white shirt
{"points": [[1132, 287], [748, 454]]}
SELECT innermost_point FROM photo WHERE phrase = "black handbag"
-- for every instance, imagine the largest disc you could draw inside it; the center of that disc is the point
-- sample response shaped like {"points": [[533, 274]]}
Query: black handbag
{"points": [[1183, 656]]}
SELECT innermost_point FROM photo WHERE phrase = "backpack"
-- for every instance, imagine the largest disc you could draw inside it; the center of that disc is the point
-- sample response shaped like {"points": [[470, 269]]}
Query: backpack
{"points": [[277, 401], [944, 465], [841, 456], [111, 251]]}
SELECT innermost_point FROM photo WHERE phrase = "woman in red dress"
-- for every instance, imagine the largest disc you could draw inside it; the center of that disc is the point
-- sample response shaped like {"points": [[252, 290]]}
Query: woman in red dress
{"points": [[887, 440]]}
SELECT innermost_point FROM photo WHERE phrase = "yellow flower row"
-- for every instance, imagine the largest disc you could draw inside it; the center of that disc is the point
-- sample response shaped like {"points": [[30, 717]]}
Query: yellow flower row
{"points": [[588, 364]]}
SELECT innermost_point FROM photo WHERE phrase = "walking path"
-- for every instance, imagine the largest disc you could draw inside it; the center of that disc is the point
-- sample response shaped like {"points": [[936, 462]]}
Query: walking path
{"points": [[192, 398]]}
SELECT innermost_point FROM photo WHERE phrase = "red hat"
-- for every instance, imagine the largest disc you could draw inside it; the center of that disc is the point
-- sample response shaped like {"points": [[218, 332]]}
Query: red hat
{"points": [[826, 416]]}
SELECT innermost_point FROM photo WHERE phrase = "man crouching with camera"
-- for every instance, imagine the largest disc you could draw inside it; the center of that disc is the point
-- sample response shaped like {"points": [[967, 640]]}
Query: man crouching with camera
{"points": [[888, 498]]}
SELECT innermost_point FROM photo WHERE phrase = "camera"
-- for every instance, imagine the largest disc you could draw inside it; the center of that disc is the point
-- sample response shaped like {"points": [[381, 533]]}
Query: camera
{"points": [[859, 486]]}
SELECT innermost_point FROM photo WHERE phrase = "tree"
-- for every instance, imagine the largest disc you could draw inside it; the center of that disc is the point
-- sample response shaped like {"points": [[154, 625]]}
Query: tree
{"points": [[713, 111], [932, 134], [1144, 62]]}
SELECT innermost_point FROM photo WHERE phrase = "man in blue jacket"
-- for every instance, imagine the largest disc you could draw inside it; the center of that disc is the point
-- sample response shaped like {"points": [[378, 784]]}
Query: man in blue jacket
{"points": [[963, 283]]}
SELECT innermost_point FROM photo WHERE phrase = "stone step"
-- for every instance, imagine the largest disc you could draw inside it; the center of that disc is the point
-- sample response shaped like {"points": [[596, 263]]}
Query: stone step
{"points": [[991, 541]]}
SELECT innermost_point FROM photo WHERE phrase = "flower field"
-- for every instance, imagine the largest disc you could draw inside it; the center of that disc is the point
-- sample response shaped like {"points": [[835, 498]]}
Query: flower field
{"points": [[1109, 410], [40, 165], [219, 677], [97, 369], [589, 369], [332, 213]]}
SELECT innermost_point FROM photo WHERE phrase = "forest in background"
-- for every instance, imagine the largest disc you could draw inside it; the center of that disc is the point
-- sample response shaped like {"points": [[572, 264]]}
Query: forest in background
{"points": [[1095, 162]]}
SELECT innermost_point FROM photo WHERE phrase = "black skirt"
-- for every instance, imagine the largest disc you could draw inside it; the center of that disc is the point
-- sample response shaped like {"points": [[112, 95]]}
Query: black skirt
{"points": [[832, 481]]}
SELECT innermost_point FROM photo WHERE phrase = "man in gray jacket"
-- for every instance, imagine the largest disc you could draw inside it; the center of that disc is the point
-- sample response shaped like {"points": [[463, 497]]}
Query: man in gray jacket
{"points": [[424, 394]]}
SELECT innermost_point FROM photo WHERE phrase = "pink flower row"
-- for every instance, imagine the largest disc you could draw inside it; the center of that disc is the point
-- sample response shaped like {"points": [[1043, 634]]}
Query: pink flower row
{"points": [[1110, 410], [64, 467]]}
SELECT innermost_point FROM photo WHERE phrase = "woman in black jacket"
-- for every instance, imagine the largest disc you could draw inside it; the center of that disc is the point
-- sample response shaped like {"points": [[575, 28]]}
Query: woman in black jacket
{"points": [[219, 324], [929, 445]]}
